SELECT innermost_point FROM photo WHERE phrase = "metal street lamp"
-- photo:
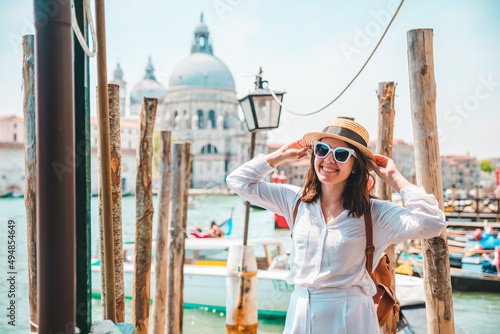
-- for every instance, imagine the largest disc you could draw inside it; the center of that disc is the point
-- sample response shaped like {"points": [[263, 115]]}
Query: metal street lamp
{"points": [[262, 112], [260, 108]]}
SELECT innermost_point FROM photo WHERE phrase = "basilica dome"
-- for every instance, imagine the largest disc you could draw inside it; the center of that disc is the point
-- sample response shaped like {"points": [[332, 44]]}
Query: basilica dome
{"points": [[202, 68], [148, 87]]}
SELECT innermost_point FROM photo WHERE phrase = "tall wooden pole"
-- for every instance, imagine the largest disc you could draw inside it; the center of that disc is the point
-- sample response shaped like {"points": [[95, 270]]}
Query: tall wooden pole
{"points": [[187, 165], [177, 235], [116, 191], [160, 288], [82, 176], [144, 217], [386, 112], [438, 297], [103, 120], [30, 166], [55, 168]]}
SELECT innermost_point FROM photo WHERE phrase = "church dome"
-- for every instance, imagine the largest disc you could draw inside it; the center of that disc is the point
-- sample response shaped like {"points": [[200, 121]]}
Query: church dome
{"points": [[202, 68], [148, 87]]}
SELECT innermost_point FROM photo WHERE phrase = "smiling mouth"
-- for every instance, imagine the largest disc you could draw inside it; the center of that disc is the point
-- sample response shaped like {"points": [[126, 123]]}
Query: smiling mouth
{"points": [[330, 170]]}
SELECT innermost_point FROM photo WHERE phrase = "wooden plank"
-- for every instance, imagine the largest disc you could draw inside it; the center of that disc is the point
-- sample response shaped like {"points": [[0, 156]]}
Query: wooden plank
{"points": [[472, 224], [437, 282]]}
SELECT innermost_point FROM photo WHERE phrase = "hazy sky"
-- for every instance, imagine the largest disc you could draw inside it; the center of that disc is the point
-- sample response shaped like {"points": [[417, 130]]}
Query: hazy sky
{"points": [[310, 49]]}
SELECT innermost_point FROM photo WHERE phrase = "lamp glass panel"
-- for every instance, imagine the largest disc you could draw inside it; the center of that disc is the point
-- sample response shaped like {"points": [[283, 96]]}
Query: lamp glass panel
{"points": [[248, 113], [267, 111]]}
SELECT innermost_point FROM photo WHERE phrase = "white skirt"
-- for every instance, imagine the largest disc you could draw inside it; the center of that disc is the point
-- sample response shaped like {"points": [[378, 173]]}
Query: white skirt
{"points": [[331, 310]]}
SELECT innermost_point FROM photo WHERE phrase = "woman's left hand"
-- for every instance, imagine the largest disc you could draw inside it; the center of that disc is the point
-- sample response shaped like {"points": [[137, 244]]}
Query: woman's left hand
{"points": [[385, 168]]}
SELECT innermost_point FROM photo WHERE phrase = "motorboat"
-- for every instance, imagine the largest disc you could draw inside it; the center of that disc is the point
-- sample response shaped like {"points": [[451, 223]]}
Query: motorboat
{"points": [[205, 275]]}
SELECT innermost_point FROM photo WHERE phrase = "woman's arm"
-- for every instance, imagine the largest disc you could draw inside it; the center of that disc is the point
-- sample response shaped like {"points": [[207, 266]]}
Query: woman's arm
{"points": [[385, 168], [421, 216], [248, 180]]}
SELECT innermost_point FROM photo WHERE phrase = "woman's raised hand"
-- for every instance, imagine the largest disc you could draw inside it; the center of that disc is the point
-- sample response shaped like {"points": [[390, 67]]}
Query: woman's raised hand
{"points": [[385, 168], [291, 151]]}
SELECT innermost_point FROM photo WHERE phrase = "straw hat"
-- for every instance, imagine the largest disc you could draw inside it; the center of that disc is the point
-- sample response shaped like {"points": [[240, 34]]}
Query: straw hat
{"points": [[344, 129]]}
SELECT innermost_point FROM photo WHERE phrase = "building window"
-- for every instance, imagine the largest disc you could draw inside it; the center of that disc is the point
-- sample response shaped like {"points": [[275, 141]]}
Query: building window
{"points": [[15, 137], [211, 118], [209, 149], [201, 120], [14, 125]]}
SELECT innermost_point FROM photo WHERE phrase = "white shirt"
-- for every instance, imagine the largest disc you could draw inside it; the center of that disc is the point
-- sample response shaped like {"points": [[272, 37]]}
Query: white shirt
{"points": [[333, 254]]}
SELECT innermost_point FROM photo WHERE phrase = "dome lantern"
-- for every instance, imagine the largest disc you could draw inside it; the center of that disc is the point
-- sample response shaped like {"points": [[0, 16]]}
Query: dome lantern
{"points": [[201, 41]]}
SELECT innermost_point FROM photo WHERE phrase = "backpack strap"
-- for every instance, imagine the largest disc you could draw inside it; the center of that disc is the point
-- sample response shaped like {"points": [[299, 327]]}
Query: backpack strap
{"points": [[370, 249], [295, 216]]}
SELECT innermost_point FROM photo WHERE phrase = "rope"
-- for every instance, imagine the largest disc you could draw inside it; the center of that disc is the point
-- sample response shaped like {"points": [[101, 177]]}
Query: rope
{"points": [[359, 72], [78, 32]]}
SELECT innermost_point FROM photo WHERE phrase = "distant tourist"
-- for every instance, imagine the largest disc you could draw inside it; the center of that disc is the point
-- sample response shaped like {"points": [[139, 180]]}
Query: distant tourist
{"points": [[333, 290]]}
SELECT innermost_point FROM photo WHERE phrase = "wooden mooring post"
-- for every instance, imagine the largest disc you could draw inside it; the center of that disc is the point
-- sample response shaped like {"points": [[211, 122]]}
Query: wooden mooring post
{"points": [[386, 93], [30, 167], [116, 194], [144, 217], [437, 281], [160, 288], [177, 236], [105, 161]]}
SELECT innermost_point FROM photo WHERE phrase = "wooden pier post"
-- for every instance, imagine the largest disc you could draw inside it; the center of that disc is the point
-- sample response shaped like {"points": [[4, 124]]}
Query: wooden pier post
{"points": [[386, 93], [160, 252], [105, 161], [438, 297], [187, 165], [30, 167], [144, 217], [177, 235], [116, 193]]}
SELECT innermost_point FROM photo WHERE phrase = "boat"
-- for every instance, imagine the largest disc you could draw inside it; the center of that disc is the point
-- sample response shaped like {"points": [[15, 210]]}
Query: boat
{"points": [[468, 277], [205, 276]]}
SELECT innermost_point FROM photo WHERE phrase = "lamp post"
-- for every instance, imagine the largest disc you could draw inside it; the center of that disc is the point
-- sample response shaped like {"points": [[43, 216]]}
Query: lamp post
{"points": [[262, 112]]}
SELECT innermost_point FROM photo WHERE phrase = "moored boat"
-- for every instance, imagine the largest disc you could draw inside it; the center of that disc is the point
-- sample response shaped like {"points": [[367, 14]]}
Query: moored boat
{"points": [[205, 276]]}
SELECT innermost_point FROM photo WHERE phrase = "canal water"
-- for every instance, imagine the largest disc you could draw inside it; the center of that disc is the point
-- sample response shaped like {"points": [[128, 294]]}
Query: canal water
{"points": [[474, 312]]}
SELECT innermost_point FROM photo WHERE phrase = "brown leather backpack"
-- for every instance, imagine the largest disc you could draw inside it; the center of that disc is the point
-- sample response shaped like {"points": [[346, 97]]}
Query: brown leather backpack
{"points": [[385, 299]]}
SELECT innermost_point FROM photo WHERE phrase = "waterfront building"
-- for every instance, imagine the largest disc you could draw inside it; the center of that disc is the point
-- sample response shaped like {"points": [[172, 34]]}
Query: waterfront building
{"points": [[460, 171], [201, 107], [11, 156]]}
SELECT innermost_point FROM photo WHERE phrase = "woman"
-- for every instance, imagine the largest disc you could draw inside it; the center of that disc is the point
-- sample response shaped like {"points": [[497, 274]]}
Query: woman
{"points": [[333, 290]]}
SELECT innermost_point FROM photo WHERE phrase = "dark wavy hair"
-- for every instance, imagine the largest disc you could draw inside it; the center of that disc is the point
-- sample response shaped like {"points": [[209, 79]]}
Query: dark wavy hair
{"points": [[356, 195]]}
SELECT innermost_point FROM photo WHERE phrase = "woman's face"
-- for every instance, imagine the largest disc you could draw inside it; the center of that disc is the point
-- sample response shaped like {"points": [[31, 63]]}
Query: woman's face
{"points": [[330, 171]]}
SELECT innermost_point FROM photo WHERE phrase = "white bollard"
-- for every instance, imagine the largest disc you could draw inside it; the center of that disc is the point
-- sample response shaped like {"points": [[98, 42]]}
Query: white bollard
{"points": [[241, 286]]}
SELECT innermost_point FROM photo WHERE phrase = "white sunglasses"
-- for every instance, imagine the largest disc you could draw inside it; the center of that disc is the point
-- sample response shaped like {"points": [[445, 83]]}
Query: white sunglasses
{"points": [[340, 154]]}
